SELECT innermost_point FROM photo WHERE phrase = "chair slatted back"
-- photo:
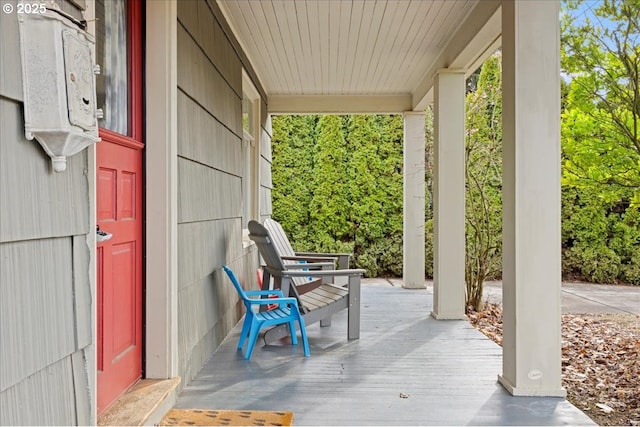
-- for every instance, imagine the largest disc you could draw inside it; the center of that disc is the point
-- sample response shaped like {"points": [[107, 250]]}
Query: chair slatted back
{"points": [[267, 249], [259, 234], [284, 248], [280, 239]]}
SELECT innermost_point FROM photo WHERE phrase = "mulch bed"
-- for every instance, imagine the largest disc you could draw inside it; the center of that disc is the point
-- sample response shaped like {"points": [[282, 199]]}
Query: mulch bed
{"points": [[600, 362]]}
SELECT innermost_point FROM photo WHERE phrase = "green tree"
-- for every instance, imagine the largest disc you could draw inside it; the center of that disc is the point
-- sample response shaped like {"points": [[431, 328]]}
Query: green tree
{"points": [[379, 243], [329, 208], [484, 181], [429, 238], [601, 121], [365, 194], [600, 239], [391, 182], [293, 144], [600, 141]]}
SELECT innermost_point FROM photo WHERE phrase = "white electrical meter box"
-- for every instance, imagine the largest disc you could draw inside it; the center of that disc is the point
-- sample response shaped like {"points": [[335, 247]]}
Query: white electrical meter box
{"points": [[58, 72]]}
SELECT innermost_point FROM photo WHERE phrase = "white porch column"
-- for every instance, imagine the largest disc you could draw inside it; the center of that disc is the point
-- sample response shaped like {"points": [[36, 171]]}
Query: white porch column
{"points": [[162, 196], [531, 198], [413, 212], [448, 195]]}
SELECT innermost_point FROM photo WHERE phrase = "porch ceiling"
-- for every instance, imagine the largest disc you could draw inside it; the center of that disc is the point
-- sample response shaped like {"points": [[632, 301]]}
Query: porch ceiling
{"points": [[359, 55]]}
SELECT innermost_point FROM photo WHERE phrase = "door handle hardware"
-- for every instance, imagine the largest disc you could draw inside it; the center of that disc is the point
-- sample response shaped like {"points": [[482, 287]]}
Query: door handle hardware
{"points": [[102, 236]]}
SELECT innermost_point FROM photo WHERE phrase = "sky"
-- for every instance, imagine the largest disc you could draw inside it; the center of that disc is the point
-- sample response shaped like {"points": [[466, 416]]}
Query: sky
{"points": [[585, 11]]}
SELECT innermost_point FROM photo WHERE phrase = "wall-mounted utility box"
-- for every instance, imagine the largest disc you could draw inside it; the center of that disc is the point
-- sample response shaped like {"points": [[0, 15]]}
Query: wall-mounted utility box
{"points": [[58, 71]]}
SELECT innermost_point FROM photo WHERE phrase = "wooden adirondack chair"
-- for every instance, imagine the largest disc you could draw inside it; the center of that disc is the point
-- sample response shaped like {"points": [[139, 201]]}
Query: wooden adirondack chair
{"points": [[286, 314], [289, 256], [318, 304]]}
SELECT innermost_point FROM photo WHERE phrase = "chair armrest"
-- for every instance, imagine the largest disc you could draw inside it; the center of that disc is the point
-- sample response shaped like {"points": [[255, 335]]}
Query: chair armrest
{"points": [[310, 258], [312, 266], [277, 292], [323, 254], [287, 301], [290, 273], [343, 258]]}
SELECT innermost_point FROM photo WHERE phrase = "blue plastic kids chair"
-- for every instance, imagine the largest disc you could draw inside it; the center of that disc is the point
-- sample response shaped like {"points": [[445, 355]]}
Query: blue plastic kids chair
{"points": [[286, 312]]}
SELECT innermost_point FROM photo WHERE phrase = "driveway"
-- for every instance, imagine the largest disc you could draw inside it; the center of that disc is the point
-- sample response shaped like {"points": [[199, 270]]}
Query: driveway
{"points": [[580, 297], [577, 297]]}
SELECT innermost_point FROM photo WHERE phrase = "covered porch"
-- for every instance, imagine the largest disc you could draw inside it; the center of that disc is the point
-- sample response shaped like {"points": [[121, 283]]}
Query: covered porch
{"points": [[205, 177], [354, 57], [406, 369]]}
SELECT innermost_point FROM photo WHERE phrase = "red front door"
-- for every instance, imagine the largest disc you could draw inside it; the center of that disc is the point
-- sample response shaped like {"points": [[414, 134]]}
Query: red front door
{"points": [[119, 198]]}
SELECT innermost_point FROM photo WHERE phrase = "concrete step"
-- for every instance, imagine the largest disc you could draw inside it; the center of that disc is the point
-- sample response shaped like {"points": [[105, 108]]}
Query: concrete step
{"points": [[144, 404]]}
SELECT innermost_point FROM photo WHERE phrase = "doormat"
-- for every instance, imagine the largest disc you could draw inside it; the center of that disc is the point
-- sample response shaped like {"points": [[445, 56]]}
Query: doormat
{"points": [[205, 417]]}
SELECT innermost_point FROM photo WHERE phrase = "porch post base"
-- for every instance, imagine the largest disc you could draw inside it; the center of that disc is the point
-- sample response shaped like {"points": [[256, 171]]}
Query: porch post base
{"points": [[539, 392], [414, 286], [448, 316]]}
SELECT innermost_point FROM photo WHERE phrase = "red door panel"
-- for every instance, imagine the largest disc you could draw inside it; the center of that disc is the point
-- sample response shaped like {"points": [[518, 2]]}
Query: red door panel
{"points": [[119, 179], [124, 310], [107, 182], [100, 318], [119, 204]]}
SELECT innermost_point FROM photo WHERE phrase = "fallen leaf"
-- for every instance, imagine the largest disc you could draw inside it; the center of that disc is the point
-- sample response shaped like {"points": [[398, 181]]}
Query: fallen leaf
{"points": [[606, 408]]}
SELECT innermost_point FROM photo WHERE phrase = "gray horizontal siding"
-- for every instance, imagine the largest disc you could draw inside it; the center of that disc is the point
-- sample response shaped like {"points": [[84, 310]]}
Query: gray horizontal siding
{"points": [[197, 18], [84, 384], [201, 306], [210, 171], [45, 297], [265, 119], [265, 167], [265, 145], [10, 65], [45, 398], [265, 173], [216, 44], [233, 44], [37, 318], [37, 202], [205, 194], [206, 245], [73, 7], [265, 203], [204, 139], [82, 292], [265, 187], [198, 78], [80, 4]]}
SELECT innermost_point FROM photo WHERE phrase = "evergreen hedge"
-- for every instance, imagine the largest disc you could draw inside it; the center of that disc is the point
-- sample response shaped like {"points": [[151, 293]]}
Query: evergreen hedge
{"points": [[337, 186]]}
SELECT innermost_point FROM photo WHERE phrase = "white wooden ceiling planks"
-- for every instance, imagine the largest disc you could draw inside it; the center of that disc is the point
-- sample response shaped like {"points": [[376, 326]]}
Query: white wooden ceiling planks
{"points": [[345, 47]]}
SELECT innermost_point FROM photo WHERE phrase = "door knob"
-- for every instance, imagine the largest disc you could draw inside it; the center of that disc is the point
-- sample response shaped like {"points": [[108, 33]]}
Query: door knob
{"points": [[102, 236]]}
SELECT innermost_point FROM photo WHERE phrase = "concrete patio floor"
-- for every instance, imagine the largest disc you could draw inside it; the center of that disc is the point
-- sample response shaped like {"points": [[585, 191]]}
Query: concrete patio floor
{"points": [[406, 369]]}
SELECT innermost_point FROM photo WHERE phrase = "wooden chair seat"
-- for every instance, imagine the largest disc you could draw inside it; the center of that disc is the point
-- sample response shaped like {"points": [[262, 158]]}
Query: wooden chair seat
{"points": [[323, 295]]}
